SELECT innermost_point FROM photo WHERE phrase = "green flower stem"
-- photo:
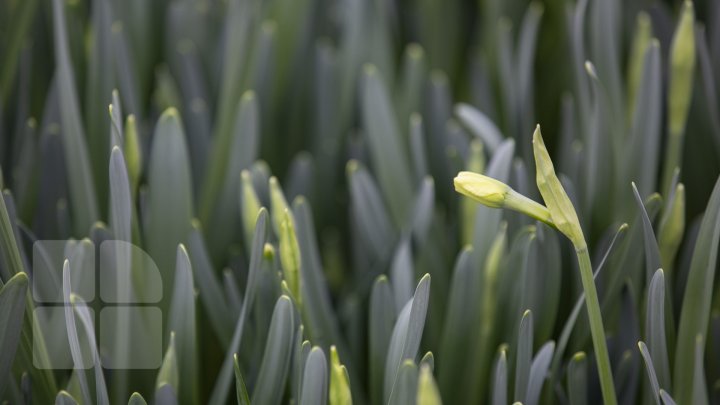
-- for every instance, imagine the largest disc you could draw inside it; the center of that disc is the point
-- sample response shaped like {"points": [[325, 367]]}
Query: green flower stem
{"points": [[596, 326]]}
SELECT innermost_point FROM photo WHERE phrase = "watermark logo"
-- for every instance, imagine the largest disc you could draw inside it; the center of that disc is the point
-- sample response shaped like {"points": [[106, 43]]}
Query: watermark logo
{"points": [[115, 290]]}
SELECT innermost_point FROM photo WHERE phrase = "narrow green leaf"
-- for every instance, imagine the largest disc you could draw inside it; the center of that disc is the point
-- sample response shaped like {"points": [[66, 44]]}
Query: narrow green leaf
{"points": [[315, 381], [182, 322], [652, 252], [224, 379], [577, 379], [133, 154], [169, 199], [672, 228], [222, 215], [339, 381], [652, 375], [402, 274], [428, 393], [500, 383], [380, 331], [655, 328], [695, 312], [12, 309], [387, 149], [374, 224], [523, 359], [666, 398], [169, 374], [249, 206], [120, 197], [242, 394], [406, 335], [290, 256], [538, 373], [699, 390], [418, 152], [210, 291], [405, 390], [136, 399], [638, 51], [64, 398], [480, 125], [682, 70], [276, 358], [83, 199]]}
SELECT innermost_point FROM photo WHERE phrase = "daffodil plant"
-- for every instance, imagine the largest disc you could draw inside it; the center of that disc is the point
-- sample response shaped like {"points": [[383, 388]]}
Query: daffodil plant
{"points": [[560, 214]]}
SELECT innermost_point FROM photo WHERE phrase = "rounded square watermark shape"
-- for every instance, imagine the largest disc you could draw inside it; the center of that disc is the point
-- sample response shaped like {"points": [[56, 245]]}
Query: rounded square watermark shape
{"points": [[131, 337], [128, 274], [53, 352], [47, 269]]}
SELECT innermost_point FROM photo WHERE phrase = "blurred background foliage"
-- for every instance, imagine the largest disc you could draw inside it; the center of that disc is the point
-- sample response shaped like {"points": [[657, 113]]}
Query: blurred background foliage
{"points": [[367, 109]]}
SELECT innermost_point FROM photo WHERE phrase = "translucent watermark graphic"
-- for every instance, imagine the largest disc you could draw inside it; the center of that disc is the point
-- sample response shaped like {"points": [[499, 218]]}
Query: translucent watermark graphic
{"points": [[96, 306]]}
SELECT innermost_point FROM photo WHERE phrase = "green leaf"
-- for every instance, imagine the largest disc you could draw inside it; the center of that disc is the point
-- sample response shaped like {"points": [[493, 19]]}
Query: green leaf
{"points": [[136, 399], [695, 312], [387, 148], [523, 358], [500, 383], [666, 398], [577, 379], [290, 256], [652, 252], [242, 394], [64, 398], [402, 274], [480, 125], [637, 58], [223, 381], [169, 374], [315, 380], [83, 199], [12, 309], [427, 393], [652, 375], [182, 322], [276, 358], [169, 199], [406, 387], [249, 206], [339, 381], [699, 390], [655, 328], [380, 331], [680, 86], [672, 228], [538, 372], [74, 305], [222, 215], [644, 144], [406, 335], [210, 290], [373, 220], [120, 197]]}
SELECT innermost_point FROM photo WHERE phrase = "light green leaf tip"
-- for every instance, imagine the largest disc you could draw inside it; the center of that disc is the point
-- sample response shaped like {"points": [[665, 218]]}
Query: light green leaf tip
{"points": [[339, 381]]}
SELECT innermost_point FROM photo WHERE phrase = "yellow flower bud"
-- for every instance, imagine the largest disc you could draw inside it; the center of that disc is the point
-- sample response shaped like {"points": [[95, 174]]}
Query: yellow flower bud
{"points": [[496, 194]]}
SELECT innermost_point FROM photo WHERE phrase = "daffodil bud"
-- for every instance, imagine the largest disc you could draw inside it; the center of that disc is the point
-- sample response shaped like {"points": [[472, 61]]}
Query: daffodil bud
{"points": [[562, 212], [496, 194]]}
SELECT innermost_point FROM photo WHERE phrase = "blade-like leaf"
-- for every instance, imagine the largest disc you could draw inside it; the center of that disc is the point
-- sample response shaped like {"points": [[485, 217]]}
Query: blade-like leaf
{"points": [[655, 328], [83, 199], [405, 339], [222, 384], [523, 359], [315, 384], [538, 373], [242, 394], [652, 375], [695, 312], [182, 322], [12, 309], [276, 359]]}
